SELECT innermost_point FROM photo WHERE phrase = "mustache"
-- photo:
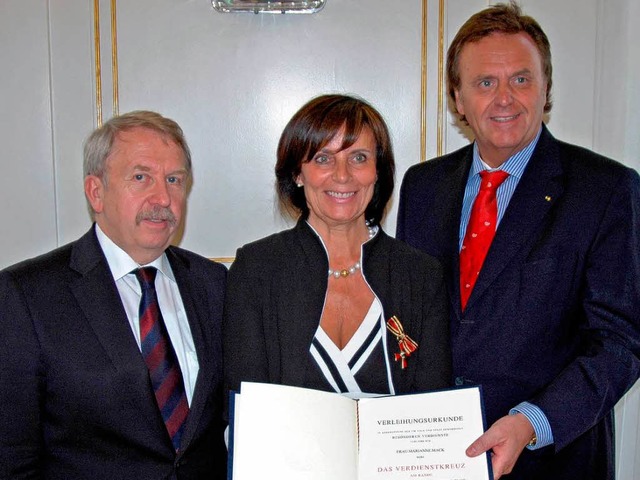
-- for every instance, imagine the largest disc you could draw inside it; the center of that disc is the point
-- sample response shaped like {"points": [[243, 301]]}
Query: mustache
{"points": [[162, 214]]}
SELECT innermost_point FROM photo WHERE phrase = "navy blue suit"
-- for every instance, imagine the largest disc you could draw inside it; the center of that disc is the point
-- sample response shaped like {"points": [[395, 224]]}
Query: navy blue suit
{"points": [[75, 395], [554, 317]]}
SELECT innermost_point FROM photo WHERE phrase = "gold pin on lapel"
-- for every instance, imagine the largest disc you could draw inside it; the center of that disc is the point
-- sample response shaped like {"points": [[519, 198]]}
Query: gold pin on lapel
{"points": [[547, 198]]}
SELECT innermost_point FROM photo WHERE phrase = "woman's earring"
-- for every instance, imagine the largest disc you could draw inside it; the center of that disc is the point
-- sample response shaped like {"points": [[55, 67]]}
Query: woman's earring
{"points": [[299, 185]]}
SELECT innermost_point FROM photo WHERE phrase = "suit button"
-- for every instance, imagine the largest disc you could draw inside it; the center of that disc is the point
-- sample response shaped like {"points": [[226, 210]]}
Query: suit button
{"points": [[459, 381]]}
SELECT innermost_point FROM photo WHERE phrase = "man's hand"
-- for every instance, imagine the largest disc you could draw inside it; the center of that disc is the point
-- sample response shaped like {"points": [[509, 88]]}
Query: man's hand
{"points": [[507, 438]]}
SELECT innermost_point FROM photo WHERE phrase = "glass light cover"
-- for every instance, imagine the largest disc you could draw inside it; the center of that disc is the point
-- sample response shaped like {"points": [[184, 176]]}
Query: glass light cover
{"points": [[268, 6]]}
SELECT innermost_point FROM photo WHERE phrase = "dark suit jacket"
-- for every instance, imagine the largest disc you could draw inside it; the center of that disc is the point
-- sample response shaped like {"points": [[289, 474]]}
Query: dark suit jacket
{"points": [[554, 316], [275, 296], [76, 400]]}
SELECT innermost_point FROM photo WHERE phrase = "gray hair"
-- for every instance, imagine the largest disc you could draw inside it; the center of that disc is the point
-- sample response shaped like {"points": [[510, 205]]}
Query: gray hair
{"points": [[98, 145]]}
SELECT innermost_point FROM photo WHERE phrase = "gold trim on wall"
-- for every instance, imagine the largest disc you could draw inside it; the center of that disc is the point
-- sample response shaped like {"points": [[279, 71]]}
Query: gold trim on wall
{"points": [[114, 58], [98, 61], [441, 106], [441, 102], [223, 259], [423, 84], [97, 65]]}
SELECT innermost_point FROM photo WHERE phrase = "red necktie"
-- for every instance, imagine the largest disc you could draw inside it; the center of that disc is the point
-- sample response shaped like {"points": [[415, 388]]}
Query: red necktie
{"points": [[480, 231], [160, 357]]}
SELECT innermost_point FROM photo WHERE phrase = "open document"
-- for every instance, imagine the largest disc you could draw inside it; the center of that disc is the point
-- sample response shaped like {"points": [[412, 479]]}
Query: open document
{"points": [[300, 434]]}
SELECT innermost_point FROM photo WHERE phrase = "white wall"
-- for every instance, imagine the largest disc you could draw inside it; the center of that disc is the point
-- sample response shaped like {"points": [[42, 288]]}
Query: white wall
{"points": [[27, 196], [615, 133], [232, 81]]}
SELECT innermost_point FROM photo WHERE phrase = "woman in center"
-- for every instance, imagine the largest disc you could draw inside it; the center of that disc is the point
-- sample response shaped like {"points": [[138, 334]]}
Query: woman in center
{"points": [[335, 303]]}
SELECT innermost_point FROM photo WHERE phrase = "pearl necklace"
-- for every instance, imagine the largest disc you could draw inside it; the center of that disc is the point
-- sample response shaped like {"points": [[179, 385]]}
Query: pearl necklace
{"points": [[345, 272]]}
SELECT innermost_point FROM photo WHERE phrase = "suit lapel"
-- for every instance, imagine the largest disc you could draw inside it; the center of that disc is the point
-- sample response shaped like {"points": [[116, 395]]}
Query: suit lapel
{"points": [[394, 296], [538, 189], [190, 290], [378, 271], [451, 193], [98, 297], [308, 284]]}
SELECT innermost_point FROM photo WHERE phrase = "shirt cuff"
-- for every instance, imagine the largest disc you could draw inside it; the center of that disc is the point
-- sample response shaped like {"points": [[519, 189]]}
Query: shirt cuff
{"points": [[539, 421]]}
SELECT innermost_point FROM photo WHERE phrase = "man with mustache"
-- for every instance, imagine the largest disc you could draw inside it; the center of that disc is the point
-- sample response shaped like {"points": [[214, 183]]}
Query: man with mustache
{"points": [[111, 356]]}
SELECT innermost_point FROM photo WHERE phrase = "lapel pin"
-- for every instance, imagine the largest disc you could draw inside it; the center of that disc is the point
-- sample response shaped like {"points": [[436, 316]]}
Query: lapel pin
{"points": [[547, 198]]}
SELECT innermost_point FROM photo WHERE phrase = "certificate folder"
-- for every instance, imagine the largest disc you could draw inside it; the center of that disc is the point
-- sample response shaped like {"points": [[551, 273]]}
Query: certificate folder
{"points": [[295, 433]]}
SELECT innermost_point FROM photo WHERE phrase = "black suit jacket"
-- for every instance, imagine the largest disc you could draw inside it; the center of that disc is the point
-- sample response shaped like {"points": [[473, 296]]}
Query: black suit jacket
{"points": [[74, 389], [276, 293], [554, 317]]}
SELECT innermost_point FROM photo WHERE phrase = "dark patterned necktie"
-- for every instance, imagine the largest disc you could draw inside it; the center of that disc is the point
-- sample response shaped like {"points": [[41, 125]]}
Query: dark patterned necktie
{"points": [[161, 360], [480, 231]]}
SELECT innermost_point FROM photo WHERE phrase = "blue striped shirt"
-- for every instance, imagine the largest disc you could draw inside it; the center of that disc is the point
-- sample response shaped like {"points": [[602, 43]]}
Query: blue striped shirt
{"points": [[514, 166]]}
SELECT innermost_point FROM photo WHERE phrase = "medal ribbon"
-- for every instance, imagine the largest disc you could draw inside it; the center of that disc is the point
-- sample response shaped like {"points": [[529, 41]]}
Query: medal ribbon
{"points": [[407, 344]]}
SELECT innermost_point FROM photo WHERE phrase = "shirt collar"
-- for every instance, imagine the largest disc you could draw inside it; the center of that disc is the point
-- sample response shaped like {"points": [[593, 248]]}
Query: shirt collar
{"points": [[121, 264], [514, 165]]}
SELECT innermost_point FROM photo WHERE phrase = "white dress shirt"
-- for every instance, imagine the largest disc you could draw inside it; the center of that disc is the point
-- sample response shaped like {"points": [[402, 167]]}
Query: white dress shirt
{"points": [[169, 299]]}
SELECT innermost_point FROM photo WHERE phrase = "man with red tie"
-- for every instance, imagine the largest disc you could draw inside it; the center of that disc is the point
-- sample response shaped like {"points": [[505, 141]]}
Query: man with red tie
{"points": [[541, 244], [111, 348]]}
